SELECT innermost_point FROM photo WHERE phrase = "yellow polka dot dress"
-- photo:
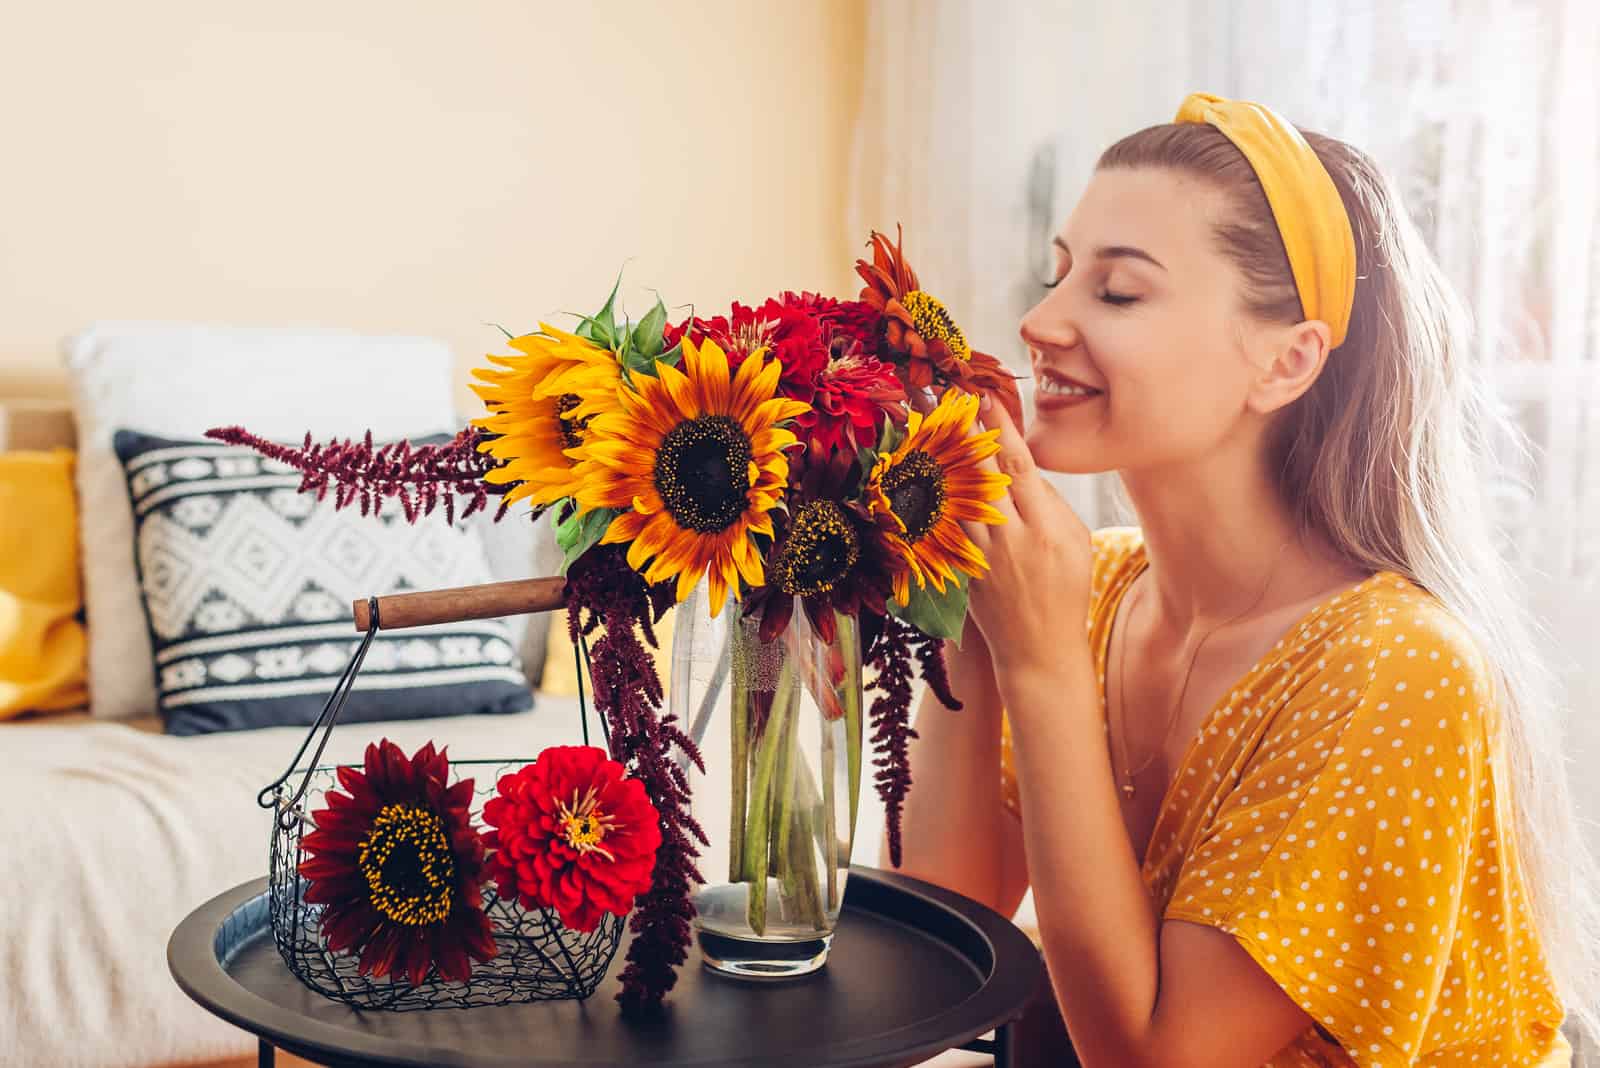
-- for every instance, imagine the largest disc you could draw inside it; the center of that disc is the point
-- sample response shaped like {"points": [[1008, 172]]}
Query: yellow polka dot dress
{"points": [[1342, 814]]}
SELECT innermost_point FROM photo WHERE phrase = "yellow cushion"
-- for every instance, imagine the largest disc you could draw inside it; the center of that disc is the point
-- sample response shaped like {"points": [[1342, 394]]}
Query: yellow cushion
{"points": [[42, 643], [560, 666]]}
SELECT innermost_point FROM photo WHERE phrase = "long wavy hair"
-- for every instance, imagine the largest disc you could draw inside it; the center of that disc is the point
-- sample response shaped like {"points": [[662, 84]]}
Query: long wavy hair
{"points": [[1388, 455]]}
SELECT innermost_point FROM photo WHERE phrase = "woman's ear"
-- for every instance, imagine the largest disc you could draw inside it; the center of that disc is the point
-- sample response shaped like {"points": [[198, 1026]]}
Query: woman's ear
{"points": [[1288, 359]]}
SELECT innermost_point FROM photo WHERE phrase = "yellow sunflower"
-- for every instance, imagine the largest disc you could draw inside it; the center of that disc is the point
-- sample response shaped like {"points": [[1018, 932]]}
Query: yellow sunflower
{"points": [[922, 491], [697, 463], [541, 400]]}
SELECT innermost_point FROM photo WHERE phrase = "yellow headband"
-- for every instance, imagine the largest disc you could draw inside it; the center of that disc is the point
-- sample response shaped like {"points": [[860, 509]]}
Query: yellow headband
{"points": [[1310, 216]]}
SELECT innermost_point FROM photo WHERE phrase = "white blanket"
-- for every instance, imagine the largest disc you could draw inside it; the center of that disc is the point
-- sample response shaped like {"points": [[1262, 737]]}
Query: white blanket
{"points": [[111, 833]]}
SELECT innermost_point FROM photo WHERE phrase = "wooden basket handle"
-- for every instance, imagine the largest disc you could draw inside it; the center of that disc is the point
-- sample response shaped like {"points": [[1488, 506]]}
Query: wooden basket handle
{"points": [[464, 602]]}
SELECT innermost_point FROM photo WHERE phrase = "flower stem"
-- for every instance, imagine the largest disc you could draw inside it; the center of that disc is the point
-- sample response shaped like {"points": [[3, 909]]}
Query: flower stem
{"points": [[783, 800], [807, 826], [739, 762], [804, 861], [830, 835], [757, 843], [849, 637]]}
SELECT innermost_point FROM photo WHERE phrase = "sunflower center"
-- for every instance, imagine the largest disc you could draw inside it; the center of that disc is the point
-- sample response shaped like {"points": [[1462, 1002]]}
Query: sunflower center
{"points": [[408, 865], [821, 549], [703, 473], [571, 429], [915, 488], [585, 825], [933, 322]]}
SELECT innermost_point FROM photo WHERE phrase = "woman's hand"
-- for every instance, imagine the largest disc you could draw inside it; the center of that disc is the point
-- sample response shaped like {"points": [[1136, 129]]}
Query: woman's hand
{"points": [[1037, 591]]}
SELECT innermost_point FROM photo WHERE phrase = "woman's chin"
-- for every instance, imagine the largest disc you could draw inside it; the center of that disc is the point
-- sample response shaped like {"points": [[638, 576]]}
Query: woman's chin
{"points": [[1067, 458]]}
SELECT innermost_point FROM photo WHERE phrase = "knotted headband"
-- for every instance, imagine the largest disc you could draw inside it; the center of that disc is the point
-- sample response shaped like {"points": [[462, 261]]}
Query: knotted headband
{"points": [[1305, 203]]}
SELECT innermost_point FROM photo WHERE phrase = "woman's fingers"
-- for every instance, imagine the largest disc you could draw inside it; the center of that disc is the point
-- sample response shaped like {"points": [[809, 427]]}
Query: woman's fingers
{"points": [[1028, 495]]}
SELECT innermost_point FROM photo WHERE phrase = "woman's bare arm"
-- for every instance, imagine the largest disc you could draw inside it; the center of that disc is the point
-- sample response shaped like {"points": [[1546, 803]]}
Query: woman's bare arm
{"points": [[955, 832], [1135, 992]]}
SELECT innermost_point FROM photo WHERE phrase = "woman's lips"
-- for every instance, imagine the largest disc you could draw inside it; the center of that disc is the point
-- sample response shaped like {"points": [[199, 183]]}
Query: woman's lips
{"points": [[1053, 392], [1051, 401]]}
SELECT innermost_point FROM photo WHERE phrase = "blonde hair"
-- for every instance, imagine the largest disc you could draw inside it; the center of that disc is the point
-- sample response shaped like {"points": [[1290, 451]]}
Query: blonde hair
{"points": [[1388, 456]]}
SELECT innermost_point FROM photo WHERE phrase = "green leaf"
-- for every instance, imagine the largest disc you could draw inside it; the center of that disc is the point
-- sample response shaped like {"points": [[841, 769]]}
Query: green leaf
{"points": [[581, 532], [606, 316], [509, 335], [938, 615], [599, 333], [647, 335], [889, 438]]}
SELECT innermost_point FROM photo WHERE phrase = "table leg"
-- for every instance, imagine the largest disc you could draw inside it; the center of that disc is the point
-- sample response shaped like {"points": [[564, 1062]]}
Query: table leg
{"points": [[266, 1055], [1002, 1046]]}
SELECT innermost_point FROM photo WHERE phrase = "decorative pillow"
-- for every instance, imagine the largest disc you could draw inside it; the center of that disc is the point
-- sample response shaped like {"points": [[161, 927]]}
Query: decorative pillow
{"points": [[42, 654], [179, 379], [247, 586]]}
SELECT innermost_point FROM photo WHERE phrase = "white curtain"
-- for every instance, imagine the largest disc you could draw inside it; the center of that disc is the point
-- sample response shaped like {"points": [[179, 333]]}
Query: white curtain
{"points": [[982, 119]]}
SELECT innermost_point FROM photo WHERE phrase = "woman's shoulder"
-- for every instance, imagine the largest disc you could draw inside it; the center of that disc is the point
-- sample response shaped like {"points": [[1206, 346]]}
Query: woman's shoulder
{"points": [[1393, 648], [1389, 616]]}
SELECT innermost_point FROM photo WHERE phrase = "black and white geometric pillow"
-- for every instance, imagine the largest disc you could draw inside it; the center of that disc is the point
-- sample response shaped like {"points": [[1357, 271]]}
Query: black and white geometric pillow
{"points": [[247, 586]]}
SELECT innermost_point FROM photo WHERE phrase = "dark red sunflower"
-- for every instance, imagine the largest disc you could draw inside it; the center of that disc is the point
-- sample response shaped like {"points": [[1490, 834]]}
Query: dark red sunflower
{"points": [[828, 551], [919, 330], [573, 833], [400, 868]]}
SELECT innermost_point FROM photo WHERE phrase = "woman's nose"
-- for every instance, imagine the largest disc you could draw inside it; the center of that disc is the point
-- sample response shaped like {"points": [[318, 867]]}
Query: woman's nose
{"points": [[1044, 325]]}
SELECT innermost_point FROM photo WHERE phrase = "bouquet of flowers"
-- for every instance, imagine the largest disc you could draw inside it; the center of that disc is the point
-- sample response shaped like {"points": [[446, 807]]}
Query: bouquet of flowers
{"points": [[774, 452]]}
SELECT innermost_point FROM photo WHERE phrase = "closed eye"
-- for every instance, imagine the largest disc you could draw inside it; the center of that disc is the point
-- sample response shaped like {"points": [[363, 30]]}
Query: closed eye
{"points": [[1108, 297]]}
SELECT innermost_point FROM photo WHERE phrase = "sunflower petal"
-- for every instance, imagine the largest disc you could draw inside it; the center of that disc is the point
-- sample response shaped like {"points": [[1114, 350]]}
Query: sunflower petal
{"points": [[680, 389]]}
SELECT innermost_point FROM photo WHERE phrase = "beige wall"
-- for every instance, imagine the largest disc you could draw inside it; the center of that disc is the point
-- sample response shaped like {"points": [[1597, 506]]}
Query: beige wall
{"points": [[413, 166]]}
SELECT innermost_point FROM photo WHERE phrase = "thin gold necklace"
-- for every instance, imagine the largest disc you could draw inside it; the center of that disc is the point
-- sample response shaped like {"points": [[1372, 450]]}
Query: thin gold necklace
{"points": [[1128, 774]]}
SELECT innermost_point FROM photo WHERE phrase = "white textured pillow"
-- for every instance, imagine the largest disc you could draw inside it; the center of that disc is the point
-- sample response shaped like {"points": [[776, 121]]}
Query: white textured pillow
{"points": [[181, 379]]}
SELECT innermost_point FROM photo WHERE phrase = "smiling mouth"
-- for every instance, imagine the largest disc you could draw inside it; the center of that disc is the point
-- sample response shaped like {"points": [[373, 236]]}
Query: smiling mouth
{"points": [[1055, 387]]}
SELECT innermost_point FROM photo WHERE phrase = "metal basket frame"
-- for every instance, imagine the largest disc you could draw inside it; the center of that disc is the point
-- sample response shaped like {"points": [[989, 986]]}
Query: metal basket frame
{"points": [[539, 957]]}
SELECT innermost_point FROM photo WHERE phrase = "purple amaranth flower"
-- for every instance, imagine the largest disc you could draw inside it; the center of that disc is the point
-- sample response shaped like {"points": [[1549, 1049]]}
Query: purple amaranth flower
{"points": [[421, 477], [628, 695]]}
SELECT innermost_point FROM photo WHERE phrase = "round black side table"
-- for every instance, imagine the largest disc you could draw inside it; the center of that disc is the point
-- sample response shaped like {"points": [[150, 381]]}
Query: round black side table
{"points": [[914, 970]]}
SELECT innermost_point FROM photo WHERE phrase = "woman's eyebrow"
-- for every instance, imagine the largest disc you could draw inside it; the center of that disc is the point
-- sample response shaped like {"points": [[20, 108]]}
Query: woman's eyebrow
{"points": [[1111, 252]]}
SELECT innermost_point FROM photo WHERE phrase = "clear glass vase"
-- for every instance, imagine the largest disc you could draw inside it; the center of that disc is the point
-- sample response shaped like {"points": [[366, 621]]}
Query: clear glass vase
{"points": [[779, 726]]}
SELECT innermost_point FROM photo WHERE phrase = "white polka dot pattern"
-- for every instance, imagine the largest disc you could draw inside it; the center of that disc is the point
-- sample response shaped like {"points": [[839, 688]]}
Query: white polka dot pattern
{"points": [[1341, 814]]}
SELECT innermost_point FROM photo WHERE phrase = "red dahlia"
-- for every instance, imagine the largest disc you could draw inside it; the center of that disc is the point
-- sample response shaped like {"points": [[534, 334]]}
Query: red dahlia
{"points": [[573, 833], [399, 867]]}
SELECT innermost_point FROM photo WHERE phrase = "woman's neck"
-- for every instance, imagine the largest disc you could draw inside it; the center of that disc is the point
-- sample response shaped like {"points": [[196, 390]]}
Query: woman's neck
{"points": [[1213, 532]]}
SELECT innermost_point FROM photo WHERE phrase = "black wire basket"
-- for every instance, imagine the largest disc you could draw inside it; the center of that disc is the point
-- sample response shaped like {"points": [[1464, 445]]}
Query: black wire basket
{"points": [[539, 958]]}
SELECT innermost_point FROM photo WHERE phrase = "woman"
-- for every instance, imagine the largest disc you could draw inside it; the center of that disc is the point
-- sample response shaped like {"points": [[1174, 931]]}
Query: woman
{"points": [[1294, 796]]}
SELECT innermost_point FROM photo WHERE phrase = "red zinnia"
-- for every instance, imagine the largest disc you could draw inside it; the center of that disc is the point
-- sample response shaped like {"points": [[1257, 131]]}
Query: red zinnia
{"points": [[400, 867], [790, 332], [854, 394], [845, 324], [573, 833]]}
